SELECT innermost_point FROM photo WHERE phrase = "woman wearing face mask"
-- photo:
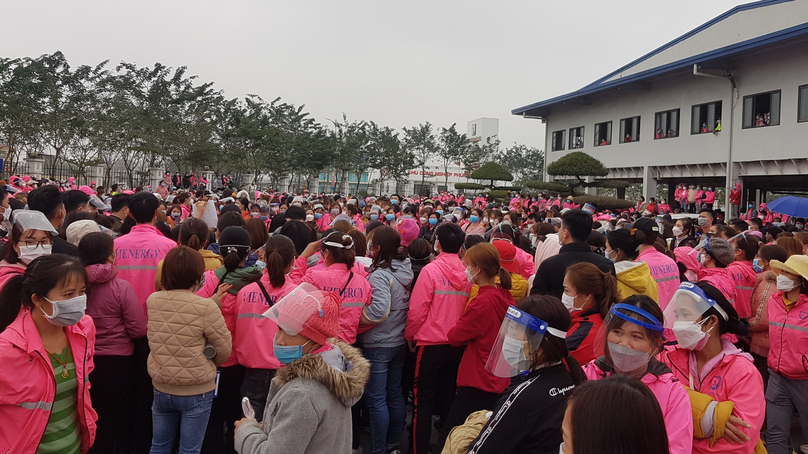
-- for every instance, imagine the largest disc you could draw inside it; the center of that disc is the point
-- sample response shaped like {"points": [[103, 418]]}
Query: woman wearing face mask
{"points": [[474, 226], [788, 333], [309, 403], [715, 255], [741, 271], [176, 215], [428, 229], [588, 295], [478, 328], [321, 218], [390, 216], [590, 424], [633, 277], [527, 419], [183, 371], [119, 319], [30, 238], [682, 230], [46, 349], [765, 288], [631, 338], [194, 233], [252, 331], [725, 389]]}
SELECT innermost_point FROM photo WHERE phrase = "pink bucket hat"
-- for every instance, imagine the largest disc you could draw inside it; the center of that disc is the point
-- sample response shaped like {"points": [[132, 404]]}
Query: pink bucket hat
{"points": [[408, 229]]}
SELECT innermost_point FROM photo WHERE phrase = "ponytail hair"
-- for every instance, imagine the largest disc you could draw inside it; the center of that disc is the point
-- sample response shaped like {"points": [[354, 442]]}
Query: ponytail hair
{"points": [[588, 279], [486, 257], [234, 247], [505, 278], [42, 275], [628, 241], [280, 252], [194, 234]]}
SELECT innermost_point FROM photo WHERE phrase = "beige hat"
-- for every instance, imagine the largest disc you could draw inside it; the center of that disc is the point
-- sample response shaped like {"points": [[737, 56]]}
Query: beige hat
{"points": [[796, 264], [79, 229]]}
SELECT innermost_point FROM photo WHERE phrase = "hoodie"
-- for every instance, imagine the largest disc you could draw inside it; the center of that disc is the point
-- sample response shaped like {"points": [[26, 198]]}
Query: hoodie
{"points": [[634, 278], [389, 299], [730, 376], [116, 311], [9, 270], [309, 405], [437, 301]]}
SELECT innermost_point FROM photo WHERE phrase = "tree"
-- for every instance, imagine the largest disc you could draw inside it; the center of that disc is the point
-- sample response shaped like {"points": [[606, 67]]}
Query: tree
{"points": [[525, 163], [493, 172], [579, 166], [422, 143], [453, 147], [388, 155]]}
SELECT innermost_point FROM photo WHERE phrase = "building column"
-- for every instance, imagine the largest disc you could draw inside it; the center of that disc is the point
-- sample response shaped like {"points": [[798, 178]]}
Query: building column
{"points": [[97, 175], [648, 183], [208, 175], [155, 176], [35, 167]]}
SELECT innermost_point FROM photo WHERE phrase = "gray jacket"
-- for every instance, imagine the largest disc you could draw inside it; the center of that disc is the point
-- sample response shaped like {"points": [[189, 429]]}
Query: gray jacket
{"points": [[309, 405], [390, 290]]}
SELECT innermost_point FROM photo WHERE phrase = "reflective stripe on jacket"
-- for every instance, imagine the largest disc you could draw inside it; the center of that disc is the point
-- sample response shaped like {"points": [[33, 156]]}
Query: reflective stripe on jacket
{"points": [[788, 336]]}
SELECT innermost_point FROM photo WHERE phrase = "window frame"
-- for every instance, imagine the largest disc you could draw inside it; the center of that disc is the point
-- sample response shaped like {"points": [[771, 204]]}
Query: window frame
{"points": [[563, 140], [753, 96], [569, 138], [710, 129], [800, 102], [622, 128], [609, 126], [678, 122]]}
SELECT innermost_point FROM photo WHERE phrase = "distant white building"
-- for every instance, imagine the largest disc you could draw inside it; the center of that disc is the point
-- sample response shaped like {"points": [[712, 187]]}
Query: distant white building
{"points": [[481, 129], [724, 103]]}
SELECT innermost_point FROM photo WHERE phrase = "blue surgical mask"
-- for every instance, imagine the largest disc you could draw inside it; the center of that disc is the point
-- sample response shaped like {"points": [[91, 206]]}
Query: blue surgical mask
{"points": [[756, 266], [394, 201], [374, 217], [318, 215], [261, 264], [286, 354], [390, 217], [440, 212], [474, 219], [433, 221], [263, 218]]}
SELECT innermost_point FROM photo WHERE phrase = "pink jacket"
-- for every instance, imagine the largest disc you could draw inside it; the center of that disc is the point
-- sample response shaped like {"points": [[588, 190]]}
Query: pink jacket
{"points": [[437, 301], [228, 310], [788, 334], [115, 310], [29, 389], [254, 333], [730, 376], [709, 197], [9, 270], [526, 266], [355, 296], [699, 193], [137, 255], [672, 398], [744, 277], [323, 222], [765, 287], [664, 271], [721, 279]]}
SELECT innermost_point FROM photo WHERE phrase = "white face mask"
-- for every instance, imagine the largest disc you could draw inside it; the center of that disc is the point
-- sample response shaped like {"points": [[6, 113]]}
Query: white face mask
{"points": [[423, 220], [569, 302], [689, 334], [470, 276], [309, 217], [29, 255], [677, 231], [435, 247], [785, 284], [67, 312], [626, 359], [513, 352]]}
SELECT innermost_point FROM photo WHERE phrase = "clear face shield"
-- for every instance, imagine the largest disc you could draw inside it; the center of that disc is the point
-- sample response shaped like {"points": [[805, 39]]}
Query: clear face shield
{"points": [[519, 338], [628, 338], [684, 315], [293, 311], [32, 220]]}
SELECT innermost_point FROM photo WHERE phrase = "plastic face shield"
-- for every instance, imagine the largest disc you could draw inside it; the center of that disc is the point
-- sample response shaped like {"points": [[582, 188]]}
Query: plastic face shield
{"points": [[32, 220], [688, 304], [631, 322], [293, 311], [519, 336]]}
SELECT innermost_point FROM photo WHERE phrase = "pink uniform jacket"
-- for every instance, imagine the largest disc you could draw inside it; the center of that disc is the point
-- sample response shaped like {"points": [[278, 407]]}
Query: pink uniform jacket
{"points": [[664, 271], [137, 255], [28, 387], [788, 336], [355, 296], [672, 398], [730, 376], [253, 342], [437, 301], [744, 277]]}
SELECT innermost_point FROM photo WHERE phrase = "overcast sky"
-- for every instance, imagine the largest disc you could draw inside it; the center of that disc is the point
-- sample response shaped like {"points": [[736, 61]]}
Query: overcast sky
{"points": [[398, 63]]}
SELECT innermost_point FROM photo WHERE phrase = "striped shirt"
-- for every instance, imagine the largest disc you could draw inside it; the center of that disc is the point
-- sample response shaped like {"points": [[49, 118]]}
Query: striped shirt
{"points": [[62, 435]]}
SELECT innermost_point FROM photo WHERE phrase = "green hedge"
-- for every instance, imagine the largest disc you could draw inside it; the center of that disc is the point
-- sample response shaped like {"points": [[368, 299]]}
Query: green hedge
{"points": [[603, 203]]}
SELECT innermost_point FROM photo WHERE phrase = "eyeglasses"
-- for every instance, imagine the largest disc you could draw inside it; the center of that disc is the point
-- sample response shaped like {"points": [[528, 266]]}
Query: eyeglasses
{"points": [[33, 244]]}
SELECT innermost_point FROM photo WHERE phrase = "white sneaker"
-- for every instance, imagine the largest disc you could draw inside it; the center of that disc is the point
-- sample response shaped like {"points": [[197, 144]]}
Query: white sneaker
{"points": [[804, 449]]}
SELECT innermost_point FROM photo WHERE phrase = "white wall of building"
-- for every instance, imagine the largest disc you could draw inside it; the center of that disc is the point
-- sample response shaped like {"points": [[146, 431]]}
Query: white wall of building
{"points": [[482, 129]]}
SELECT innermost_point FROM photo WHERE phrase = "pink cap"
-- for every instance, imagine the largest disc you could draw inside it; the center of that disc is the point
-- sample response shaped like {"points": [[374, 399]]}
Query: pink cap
{"points": [[408, 229], [86, 189]]}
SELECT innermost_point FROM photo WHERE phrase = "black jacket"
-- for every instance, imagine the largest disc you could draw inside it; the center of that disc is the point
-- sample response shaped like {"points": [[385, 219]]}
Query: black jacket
{"points": [[61, 246], [528, 419], [550, 275]]}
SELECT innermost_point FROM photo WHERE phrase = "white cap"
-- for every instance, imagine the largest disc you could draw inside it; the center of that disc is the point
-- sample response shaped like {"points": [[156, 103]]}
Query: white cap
{"points": [[79, 229]]}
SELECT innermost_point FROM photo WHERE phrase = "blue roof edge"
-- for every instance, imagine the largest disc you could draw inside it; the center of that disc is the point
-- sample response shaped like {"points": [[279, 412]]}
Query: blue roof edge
{"points": [[731, 49]]}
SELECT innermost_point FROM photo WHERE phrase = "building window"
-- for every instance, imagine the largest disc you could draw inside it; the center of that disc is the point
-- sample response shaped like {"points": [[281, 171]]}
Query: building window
{"points": [[603, 133], [666, 124], [630, 130], [576, 137], [802, 104], [762, 109], [558, 140], [706, 118]]}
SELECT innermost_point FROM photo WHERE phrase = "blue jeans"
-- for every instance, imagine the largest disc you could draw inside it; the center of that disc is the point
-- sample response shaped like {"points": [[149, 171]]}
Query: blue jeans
{"points": [[188, 414], [783, 396], [384, 397]]}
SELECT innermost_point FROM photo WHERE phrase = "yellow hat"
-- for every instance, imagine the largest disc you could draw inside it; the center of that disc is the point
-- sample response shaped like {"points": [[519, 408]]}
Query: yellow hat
{"points": [[796, 264]]}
